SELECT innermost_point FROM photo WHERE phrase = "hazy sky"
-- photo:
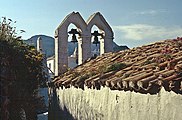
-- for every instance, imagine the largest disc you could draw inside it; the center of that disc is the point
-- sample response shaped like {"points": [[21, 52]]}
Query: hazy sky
{"points": [[134, 22]]}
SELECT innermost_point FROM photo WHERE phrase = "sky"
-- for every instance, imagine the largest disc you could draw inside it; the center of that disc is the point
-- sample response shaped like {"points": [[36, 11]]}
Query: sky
{"points": [[134, 22]]}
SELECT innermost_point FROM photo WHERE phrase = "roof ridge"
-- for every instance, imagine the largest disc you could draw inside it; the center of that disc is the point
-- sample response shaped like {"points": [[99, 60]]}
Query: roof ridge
{"points": [[143, 69]]}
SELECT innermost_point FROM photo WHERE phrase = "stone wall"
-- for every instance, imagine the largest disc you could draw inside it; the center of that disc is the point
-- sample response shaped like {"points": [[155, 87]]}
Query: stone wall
{"points": [[106, 104]]}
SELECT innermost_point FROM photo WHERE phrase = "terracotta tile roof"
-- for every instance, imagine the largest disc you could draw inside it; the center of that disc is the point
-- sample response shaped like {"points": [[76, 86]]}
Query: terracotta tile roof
{"points": [[142, 69]]}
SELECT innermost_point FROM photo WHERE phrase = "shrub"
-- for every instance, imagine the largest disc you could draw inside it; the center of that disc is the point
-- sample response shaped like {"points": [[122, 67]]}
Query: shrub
{"points": [[21, 72], [116, 67]]}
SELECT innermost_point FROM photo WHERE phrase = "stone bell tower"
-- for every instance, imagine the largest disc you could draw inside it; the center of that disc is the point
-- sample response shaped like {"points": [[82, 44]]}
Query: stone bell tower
{"points": [[84, 40], [106, 41], [61, 42]]}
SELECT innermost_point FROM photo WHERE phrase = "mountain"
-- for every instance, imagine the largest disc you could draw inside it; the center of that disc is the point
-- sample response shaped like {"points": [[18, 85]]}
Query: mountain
{"points": [[117, 48], [48, 45]]}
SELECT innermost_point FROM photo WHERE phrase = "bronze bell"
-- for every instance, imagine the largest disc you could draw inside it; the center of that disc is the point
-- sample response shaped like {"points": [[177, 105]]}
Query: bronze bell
{"points": [[74, 32], [74, 39], [96, 40]]}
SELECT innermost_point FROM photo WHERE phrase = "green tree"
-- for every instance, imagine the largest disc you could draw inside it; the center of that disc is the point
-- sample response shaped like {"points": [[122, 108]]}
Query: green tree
{"points": [[21, 72]]}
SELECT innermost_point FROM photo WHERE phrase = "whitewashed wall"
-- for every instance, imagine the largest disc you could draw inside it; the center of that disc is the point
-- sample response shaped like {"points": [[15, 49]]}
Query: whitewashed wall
{"points": [[51, 65], [106, 104]]}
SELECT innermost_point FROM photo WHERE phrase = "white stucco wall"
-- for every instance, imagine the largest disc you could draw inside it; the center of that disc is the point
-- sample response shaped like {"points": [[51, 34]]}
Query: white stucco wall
{"points": [[106, 104], [51, 65]]}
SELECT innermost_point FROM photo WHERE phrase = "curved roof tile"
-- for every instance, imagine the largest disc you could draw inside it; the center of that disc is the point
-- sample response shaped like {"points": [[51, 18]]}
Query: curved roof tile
{"points": [[143, 69]]}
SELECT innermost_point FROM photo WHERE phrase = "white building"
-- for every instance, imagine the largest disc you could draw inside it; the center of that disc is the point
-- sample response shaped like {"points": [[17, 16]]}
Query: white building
{"points": [[72, 62], [51, 65]]}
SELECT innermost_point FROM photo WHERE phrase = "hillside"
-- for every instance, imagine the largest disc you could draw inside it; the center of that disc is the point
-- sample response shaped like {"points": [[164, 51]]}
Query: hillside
{"points": [[47, 41], [48, 45], [143, 69]]}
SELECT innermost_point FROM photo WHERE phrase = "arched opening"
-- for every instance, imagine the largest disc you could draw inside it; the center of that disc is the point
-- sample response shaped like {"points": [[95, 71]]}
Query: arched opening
{"points": [[62, 34], [96, 38], [106, 42], [72, 49]]}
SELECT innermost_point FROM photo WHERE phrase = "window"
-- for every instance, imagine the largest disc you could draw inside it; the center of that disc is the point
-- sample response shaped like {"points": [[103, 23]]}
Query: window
{"points": [[49, 65]]}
